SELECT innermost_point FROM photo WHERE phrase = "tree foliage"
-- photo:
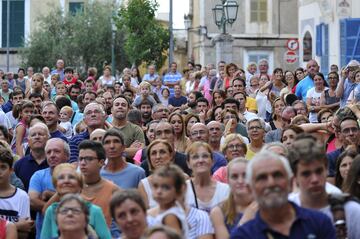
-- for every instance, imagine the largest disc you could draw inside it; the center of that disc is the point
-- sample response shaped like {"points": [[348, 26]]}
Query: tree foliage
{"points": [[146, 40], [82, 39]]}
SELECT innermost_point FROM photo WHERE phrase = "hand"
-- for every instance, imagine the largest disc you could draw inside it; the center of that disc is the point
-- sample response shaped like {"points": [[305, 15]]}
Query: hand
{"points": [[249, 213], [344, 73], [25, 225], [46, 195], [136, 144], [202, 116]]}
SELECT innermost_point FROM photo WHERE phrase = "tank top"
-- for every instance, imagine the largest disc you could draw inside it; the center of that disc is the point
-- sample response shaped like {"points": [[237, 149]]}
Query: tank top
{"points": [[330, 99], [102, 199], [148, 190]]}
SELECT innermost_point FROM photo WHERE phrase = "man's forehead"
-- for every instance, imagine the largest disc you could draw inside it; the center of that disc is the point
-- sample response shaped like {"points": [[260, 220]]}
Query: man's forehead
{"points": [[267, 166], [163, 126], [198, 127]]}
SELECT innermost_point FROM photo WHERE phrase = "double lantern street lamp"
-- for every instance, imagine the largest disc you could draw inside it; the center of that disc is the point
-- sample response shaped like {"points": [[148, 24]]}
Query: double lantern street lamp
{"points": [[225, 13]]}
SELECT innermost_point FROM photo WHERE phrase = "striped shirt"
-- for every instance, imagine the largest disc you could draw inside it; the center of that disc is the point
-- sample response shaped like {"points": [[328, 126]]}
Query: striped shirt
{"points": [[172, 78], [74, 143], [199, 223]]}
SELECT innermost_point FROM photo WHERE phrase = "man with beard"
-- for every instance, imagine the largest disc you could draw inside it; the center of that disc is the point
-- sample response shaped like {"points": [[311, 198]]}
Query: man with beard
{"points": [[74, 92], [269, 176], [108, 96], [145, 108], [309, 164]]}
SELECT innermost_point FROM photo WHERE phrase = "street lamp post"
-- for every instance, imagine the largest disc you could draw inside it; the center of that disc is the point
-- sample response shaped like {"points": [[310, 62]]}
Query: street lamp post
{"points": [[224, 13]]}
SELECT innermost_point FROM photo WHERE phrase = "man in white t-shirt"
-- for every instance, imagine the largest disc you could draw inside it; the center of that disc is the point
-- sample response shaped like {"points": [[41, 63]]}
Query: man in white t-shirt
{"points": [[309, 164]]}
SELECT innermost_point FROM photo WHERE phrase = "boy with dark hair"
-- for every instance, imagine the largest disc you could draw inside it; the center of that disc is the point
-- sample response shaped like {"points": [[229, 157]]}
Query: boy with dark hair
{"points": [[14, 203]]}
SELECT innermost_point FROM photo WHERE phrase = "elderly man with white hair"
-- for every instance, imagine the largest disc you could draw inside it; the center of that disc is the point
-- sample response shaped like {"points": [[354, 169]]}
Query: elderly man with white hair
{"points": [[36, 160], [269, 176]]}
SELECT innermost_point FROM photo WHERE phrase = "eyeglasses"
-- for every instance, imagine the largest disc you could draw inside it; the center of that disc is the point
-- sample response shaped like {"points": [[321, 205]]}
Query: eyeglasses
{"points": [[255, 128], [87, 159], [348, 130], [74, 210]]}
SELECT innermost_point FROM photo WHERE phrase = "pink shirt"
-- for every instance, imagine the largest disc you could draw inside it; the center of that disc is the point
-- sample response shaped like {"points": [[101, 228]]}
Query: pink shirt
{"points": [[220, 175]]}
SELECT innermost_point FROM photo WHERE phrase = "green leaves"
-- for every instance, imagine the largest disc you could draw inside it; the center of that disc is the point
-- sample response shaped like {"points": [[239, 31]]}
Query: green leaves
{"points": [[82, 39], [146, 39]]}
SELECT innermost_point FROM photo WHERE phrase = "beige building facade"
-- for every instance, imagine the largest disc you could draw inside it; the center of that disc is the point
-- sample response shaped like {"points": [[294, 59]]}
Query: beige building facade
{"points": [[262, 30]]}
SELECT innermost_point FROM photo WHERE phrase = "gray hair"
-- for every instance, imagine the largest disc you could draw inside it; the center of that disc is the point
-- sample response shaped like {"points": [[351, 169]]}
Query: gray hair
{"points": [[265, 155], [66, 145], [156, 107], [269, 147], [40, 125], [256, 119], [101, 107]]}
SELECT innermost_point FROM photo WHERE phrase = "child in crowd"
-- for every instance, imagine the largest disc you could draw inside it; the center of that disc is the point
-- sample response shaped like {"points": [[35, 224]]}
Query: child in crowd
{"points": [[145, 89], [90, 85], [65, 127], [55, 78], [21, 111], [165, 94], [60, 89], [169, 186], [14, 203], [37, 83]]}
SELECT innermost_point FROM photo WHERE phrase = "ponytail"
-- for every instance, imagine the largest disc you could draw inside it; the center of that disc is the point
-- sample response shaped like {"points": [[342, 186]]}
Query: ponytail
{"points": [[20, 106]]}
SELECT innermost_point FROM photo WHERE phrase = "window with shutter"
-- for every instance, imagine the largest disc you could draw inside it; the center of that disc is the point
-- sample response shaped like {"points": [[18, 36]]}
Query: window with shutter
{"points": [[17, 23]]}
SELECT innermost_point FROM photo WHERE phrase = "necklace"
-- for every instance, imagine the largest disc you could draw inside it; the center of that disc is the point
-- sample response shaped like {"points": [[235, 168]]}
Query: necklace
{"points": [[93, 183]]}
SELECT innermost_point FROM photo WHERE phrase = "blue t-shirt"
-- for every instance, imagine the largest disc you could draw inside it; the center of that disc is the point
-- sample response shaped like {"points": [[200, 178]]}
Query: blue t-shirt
{"points": [[308, 224], [177, 102], [127, 178], [303, 87], [41, 181]]}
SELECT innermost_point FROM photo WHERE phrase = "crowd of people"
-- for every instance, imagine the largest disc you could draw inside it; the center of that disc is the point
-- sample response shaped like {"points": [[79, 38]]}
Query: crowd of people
{"points": [[214, 152]]}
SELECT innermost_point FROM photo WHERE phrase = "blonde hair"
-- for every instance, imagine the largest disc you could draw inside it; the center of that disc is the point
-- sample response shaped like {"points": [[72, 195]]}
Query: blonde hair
{"points": [[181, 147], [229, 207], [228, 139], [59, 168], [195, 146], [68, 108], [145, 84]]}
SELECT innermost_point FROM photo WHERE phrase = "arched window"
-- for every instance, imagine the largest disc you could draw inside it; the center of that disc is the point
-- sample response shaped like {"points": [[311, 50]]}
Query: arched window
{"points": [[307, 47]]}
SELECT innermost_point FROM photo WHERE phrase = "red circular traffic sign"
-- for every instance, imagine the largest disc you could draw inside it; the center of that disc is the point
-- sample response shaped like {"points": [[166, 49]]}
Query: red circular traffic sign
{"points": [[290, 57], [292, 44]]}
